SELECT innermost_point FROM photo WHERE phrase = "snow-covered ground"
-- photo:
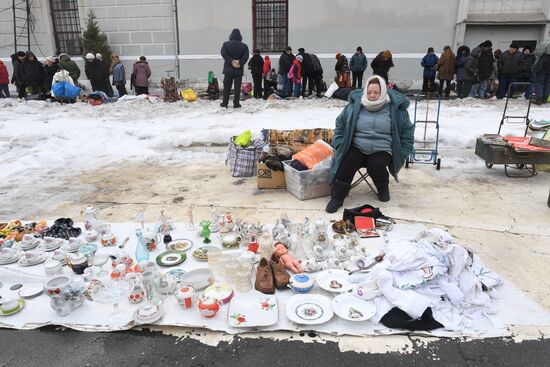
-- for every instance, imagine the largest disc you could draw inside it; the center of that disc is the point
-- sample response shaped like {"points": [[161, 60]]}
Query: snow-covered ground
{"points": [[40, 140]]}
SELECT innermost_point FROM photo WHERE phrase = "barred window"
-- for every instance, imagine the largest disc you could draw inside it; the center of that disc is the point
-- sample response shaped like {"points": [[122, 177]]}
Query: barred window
{"points": [[66, 26], [270, 25]]}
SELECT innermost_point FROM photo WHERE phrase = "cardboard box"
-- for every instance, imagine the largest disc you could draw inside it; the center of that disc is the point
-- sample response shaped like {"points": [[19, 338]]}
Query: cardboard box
{"points": [[269, 179]]}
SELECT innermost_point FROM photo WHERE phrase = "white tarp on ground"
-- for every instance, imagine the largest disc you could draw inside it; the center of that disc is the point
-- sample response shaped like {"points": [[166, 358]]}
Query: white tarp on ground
{"points": [[512, 306]]}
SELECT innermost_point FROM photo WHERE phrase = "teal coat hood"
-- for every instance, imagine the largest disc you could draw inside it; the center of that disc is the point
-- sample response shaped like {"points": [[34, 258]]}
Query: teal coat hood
{"points": [[402, 131]]}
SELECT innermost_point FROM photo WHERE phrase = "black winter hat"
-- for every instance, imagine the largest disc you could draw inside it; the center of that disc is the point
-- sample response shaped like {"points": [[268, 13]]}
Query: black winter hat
{"points": [[528, 48], [301, 49], [288, 48], [359, 49], [486, 44], [21, 54], [514, 45], [256, 51], [430, 49]]}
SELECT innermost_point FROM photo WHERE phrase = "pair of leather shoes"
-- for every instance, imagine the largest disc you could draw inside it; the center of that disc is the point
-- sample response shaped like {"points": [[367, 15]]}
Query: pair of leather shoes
{"points": [[271, 274]]}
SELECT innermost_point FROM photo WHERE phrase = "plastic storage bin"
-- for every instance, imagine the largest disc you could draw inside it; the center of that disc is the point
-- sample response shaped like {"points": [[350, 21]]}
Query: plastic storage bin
{"points": [[309, 184]]}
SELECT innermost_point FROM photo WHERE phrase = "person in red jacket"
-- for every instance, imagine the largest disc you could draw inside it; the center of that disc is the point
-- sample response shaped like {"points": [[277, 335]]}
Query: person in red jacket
{"points": [[4, 81], [295, 75], [267, 69]]}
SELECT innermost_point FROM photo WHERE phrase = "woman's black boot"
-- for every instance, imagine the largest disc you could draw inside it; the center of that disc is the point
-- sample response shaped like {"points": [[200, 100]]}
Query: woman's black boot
{"points": [[338, 193], [383, 191]]}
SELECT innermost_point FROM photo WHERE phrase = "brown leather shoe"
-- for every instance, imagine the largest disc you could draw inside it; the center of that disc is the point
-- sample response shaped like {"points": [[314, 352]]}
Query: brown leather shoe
{"points": [[264, 277], [279, 273]]}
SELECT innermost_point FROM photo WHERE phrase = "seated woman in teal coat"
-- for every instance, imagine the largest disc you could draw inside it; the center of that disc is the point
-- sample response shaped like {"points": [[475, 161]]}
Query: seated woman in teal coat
{"points": [[373, 131]]}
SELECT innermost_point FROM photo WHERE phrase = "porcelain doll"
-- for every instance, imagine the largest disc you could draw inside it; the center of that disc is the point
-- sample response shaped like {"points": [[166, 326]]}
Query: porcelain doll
{"points": [[289, 261]]}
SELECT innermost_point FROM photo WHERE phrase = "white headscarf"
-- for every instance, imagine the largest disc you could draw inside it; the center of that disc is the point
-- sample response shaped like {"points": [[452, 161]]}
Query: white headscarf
{"points": [[382, 100]]}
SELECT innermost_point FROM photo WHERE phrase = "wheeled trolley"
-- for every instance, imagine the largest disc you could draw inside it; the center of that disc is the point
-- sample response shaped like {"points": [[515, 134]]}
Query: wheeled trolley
{"points": [[493, 150], [424, 150]]}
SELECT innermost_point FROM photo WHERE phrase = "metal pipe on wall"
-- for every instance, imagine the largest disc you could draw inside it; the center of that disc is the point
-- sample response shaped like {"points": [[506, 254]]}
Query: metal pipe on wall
{"points": [[176, 37]]}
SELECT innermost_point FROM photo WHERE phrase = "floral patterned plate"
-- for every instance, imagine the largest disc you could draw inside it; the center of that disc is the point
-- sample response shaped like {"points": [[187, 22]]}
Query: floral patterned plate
{"points": [[253, 309], [309, 309]]}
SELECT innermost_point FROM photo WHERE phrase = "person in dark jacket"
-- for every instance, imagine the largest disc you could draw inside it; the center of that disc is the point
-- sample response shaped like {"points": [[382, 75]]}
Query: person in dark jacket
{"points": [[508, 66], [526, 70], [106, 73], [429, 63], [358, 64], [93, 72], [18, 78], [374, 131], [461, 56], [381, 64], [235, 55], [50, 68], [317, 75], [256, 66], [285, 62], [541, 72], [34, 73], [469, 72], [342, 71], [65, 63], [4, 81], [308, 81], [484, 69], [141, 72]]}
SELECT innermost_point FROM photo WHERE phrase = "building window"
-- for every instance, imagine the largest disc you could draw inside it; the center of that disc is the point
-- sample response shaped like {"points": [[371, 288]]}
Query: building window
{"points": [[66, 26], [270, 25]]}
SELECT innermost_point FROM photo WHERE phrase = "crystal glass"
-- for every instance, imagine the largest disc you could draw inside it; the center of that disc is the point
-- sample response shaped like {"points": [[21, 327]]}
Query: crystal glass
{"points": [[97, 261], [112, 292]]}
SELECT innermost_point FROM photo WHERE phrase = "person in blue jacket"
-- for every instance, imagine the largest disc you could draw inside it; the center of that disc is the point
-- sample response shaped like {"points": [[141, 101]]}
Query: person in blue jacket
{"points": [[235, 55], [373, 131], [429, 63]]}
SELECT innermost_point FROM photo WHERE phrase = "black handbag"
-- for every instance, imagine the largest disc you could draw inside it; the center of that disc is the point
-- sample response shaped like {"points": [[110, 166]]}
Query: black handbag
{"points": [[362, 211]]}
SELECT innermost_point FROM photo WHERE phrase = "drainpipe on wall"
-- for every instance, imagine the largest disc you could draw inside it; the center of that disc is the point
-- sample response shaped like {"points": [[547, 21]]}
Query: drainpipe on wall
{"points": [[176, 37], [460, 25]]}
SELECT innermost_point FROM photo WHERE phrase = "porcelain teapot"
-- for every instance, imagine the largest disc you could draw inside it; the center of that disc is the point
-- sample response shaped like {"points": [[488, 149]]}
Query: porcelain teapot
{"points": [[90, 219]]}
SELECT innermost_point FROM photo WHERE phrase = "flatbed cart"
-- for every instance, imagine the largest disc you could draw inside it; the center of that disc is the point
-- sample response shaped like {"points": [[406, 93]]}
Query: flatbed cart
{"points": [[425, 151], [498, 153]]}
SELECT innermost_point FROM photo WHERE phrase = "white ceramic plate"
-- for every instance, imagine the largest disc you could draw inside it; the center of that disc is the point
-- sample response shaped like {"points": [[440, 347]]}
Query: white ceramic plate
{"points": [[334, 280], [31, 290], [179, 244], [309, 309], [12, 259], [253, 309], [28, 246], [198, 278], [352, 308], [38, 260], [55, 246]]}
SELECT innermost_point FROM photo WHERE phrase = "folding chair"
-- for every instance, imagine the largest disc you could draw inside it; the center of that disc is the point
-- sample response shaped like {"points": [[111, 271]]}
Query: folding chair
{"points": [[364, 175]]}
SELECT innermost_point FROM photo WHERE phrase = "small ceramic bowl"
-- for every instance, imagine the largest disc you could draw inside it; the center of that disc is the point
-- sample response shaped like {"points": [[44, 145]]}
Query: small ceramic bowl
{"points": [[53, 267], [301, 283]]}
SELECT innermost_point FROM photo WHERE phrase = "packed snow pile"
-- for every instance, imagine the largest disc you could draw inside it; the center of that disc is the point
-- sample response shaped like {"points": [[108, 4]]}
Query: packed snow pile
{"points": [[77, 137]]}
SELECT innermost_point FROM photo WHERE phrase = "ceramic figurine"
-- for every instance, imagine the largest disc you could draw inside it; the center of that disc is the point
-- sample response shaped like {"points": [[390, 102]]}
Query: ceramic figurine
{"points": [[205, 231], [190, 221], [140, 217], [66, 294], [214, 222], [228, 221], [253, 244], [164, 225], [289, 261]]}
